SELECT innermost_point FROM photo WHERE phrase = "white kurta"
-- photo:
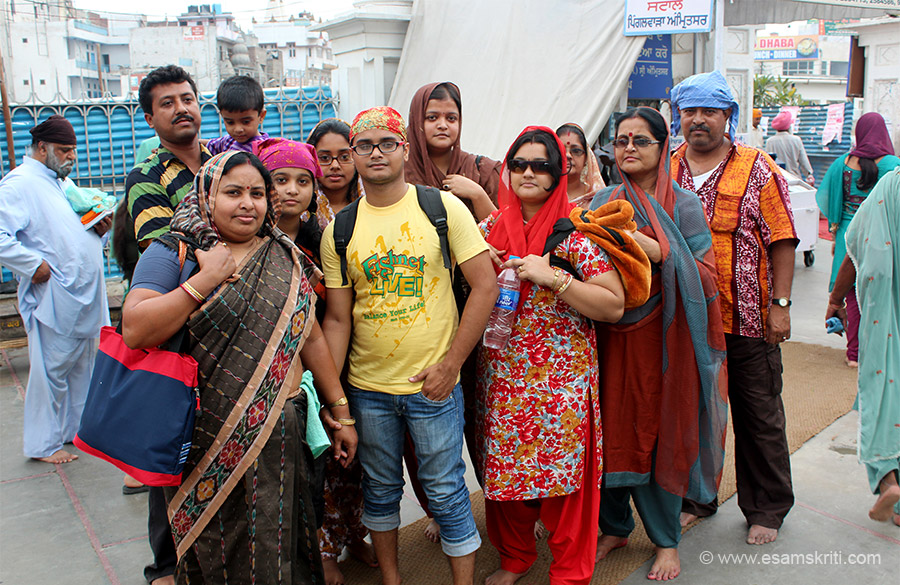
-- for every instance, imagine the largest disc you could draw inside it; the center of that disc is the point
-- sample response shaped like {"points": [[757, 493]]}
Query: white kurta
{"points": [[62, 316]]}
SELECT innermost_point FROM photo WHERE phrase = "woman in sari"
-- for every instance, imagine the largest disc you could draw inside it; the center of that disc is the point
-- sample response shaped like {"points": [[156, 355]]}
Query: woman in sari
{"points": [[295, 174], [243, 291], [583, 171], [873, 263], [538, 420], [339, 183], [846, 185], [435, 156], [664, 411]]}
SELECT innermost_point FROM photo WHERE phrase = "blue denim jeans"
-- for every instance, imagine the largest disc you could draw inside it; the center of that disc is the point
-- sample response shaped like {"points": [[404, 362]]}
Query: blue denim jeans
{"points": [[382, 421]]}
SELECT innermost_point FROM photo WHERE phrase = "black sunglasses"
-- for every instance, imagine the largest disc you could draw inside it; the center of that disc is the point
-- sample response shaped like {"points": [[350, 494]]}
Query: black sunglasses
{"points": [[518, 165]]}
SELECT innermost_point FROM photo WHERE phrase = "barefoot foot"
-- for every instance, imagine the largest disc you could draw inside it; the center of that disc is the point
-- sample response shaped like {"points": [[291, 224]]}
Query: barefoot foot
{"points": [[501, 577], [607, 543], [687, 518], [333, 575], [167, 580], [433, 531], [363, 552], [761, 534], [896, 519], [58, 457], [884, 505], [539, 530], [667, 566]]}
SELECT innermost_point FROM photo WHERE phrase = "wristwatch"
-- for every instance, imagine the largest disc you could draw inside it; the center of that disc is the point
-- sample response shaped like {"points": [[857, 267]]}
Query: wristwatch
{"points": [[782, 302]]}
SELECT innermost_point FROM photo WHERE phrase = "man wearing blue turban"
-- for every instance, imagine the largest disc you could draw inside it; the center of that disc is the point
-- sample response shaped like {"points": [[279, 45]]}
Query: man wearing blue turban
{"points": [[749, 213]]}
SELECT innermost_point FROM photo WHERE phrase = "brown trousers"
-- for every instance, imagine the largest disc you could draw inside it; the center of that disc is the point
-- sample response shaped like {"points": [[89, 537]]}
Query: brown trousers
{"points": [[762, 460]]}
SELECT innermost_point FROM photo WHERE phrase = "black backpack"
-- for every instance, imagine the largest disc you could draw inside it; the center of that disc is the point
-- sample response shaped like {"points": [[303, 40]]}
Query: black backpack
{"points": [[430, 202]]}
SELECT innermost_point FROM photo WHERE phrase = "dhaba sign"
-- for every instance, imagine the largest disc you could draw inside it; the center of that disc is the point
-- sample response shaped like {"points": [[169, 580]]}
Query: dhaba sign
{"points": [[779, 48]]}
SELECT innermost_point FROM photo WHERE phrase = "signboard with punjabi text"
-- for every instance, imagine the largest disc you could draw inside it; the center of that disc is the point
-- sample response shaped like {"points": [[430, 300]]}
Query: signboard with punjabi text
{"points": [[651, 77], [654, 17]]}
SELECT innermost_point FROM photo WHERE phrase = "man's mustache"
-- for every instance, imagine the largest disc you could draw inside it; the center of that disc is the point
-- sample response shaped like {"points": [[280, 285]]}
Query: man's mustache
{"points": [[187, 117], [702, 127]]}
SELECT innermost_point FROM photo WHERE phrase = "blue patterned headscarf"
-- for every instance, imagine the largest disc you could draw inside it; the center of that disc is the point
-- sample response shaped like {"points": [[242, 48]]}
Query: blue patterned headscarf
{"points": [[705, 90]]}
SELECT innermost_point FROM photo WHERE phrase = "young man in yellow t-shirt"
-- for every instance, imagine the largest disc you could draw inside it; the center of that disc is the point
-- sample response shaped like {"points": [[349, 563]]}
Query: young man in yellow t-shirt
{"points": [[408, 342]]}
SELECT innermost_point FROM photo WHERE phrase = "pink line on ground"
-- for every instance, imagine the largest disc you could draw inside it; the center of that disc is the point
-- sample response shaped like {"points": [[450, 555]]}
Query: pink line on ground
{"points": [[848, 523], [12, 372], [36, 475], [88, 528], [126, 541]]}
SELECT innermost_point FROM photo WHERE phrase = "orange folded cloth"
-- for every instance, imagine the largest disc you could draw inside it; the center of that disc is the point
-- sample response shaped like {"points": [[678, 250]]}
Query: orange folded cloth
{"points": [[608, 226]]}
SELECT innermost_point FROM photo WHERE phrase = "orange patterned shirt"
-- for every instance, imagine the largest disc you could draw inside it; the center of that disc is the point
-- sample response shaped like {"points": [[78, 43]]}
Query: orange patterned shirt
{"points": [[748, 207]]}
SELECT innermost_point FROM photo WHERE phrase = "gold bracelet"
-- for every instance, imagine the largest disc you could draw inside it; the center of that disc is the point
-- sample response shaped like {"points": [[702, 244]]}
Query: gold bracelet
{"points": [[339, 402], [565, 285], [556, 272], [346, 421], [192, 292]]}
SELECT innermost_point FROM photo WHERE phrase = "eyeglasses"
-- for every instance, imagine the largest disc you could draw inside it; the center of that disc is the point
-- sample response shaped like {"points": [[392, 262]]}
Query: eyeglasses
{"points": [[639, 141], [576, 151], [342, 157], [518, 165], [385, 147]]}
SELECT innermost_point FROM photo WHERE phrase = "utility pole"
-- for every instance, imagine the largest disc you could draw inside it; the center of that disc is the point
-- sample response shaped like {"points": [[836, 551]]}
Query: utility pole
{"points": [[7, 117]]}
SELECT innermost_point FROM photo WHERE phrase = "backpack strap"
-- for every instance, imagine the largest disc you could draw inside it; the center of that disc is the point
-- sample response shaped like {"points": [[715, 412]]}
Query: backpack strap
{"points": [[344, 222], [561, 230], [431, 203]]}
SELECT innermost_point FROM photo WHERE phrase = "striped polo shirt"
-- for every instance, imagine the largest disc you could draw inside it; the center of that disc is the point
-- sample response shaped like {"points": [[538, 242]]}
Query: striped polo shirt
{"points": [[154, 188]]}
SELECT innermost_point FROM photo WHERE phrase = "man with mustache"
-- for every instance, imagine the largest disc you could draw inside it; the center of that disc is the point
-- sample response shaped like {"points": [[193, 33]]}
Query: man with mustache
{"points": [[155, 186], [62, 291], [749, 212]]}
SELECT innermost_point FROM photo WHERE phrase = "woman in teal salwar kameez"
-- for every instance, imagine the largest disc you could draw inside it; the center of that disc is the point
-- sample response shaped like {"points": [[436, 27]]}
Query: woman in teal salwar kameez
{"points": [[873, 248]]}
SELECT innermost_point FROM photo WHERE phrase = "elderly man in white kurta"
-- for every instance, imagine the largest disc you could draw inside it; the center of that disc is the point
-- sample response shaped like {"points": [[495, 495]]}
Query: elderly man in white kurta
{"points": [[62, 292]]}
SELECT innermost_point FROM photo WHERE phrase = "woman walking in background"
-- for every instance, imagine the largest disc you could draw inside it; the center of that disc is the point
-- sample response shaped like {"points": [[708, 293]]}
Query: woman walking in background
{"points": [[845, 186]]}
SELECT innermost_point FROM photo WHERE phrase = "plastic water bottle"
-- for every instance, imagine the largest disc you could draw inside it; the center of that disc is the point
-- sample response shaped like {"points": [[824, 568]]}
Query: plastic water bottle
{"points": [[496, 335]]}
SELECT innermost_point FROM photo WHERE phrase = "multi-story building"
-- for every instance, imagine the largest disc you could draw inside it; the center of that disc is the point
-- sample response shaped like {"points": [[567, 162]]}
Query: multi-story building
{"points": [[205, 41], [52, 49], [295, 55]]}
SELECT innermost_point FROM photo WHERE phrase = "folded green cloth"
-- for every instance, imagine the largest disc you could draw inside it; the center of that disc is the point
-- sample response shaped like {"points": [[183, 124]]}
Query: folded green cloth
{"points": [[316, 437]]}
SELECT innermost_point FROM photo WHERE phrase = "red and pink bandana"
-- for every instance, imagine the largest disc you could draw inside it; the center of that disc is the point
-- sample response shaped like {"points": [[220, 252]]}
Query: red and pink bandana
{"points": [[381, 117]]}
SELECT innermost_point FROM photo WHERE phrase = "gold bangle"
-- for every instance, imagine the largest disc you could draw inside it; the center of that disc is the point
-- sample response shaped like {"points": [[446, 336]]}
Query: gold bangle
{"points": [[339, 402], [565, 285], [349, 422], [556, 272], [194, 294]]}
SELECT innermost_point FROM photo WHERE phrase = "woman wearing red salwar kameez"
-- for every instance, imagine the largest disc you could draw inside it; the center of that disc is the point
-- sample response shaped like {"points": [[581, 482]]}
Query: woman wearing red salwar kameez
{"points": [[538, 418]]}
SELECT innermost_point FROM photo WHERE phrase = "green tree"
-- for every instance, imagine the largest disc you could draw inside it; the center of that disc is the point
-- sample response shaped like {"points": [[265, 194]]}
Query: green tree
{"points": [[772, 91]]}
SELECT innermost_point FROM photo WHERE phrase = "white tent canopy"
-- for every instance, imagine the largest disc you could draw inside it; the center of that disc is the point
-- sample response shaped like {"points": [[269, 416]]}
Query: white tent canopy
{"points": [[519, 62]]}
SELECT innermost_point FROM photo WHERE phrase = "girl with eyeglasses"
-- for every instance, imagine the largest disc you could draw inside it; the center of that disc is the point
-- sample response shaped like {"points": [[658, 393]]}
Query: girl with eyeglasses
{"points": [[664, 388], [583, 169], [435, 156], [538, 412], [340, 184]]}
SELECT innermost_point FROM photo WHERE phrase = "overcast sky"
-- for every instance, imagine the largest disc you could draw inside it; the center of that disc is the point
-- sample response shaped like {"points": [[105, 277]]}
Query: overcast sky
{"points": [[323, 9]]}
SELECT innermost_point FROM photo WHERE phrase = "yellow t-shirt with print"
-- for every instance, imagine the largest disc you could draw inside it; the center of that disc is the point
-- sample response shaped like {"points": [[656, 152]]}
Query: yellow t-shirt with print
{"points": [[404, 313]]}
